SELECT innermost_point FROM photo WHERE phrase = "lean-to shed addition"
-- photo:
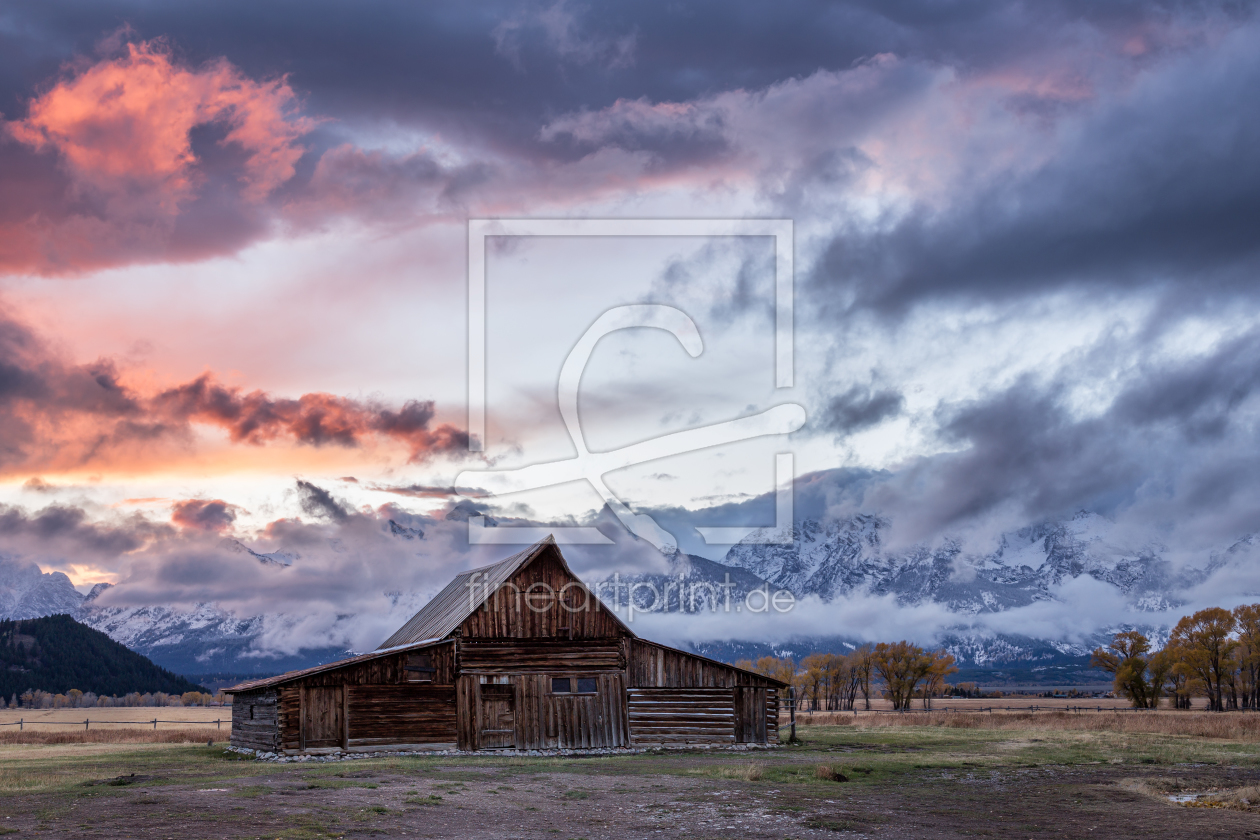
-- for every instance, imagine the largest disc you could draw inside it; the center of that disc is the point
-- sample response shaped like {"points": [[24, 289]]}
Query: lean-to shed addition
{"points": [[516, 655]]}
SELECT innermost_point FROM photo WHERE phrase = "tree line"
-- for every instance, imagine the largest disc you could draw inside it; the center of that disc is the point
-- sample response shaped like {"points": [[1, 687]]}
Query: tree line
{"points": [[900, 671], [75, 699], [58, 654], [1214, 653]]}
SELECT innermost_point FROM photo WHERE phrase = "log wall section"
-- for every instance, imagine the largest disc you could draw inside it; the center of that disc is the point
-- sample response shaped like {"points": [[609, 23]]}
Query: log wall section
{"points": [[255, 718], [382, 715], [520, 656], [676, 716], [657, 666], [379, 706]]}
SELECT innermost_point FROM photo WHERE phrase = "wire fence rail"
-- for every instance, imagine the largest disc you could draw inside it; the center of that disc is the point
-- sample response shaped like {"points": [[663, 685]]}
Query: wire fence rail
{"points": [[22, 723]]}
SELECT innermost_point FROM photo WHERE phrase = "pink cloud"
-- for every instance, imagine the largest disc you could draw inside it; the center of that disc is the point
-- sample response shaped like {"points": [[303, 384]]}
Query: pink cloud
{"points": [[123, 126]]}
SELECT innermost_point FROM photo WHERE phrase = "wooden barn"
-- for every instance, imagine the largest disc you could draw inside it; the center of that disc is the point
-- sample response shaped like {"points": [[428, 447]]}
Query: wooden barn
{"points": [[516, 655]]}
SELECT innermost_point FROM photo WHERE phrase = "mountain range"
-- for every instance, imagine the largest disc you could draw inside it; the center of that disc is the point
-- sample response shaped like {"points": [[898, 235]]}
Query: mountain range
{"points": [[827, 560]]}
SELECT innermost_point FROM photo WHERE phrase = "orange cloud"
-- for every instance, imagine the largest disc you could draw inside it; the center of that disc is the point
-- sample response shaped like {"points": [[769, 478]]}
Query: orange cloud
{"points": [[123, 126], [58, 416]]}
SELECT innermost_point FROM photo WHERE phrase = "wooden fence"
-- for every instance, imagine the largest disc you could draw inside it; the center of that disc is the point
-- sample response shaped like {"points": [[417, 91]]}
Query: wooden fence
{"points": [[21, 724]]}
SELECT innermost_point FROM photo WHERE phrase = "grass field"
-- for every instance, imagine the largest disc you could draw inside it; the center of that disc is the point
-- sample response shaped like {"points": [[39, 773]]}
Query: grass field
{"points": [[176, 724], [1018, 702], [62, 717], [853, 780]]}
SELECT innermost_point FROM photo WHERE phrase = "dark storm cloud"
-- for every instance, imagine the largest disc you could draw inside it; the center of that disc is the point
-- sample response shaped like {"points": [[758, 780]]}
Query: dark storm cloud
{"points": [[71, 530], [426, 491], [1155, 186], [318, 502], [861, 407], [503, 67], [1174, 449], [1200, 395], [211, 515], [518, 87]]}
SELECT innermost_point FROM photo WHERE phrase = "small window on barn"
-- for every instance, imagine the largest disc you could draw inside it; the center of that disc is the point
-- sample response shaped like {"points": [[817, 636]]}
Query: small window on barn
{"points": [[561, 685], [586, 685], [251, 711], [419, 668]]}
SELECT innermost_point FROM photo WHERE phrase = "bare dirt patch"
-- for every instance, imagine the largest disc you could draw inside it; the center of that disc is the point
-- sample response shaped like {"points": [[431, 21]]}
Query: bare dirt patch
{"points": [[842, 783]]}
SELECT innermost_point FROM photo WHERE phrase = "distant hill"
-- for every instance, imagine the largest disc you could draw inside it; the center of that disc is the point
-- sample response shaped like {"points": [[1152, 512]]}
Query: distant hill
{"points": [[57, 653]]}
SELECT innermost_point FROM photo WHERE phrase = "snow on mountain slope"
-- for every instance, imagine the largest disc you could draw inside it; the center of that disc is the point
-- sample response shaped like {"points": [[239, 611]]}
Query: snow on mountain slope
{"points": [[27, 592], [846, 556], [831, 560]]}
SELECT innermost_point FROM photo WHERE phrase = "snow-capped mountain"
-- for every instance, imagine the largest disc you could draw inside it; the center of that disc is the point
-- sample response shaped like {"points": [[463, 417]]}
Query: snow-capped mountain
{"points": [[27, 592], [203, 640], [842, 557], [831, 560]]}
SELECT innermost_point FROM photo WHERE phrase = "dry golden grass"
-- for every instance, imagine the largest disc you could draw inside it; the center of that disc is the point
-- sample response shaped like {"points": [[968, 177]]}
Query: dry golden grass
{"points": [[1245, 798], [1236, 726], [747, 771], [181, 714], [115, 735], [1018, 702], [828, 773]]}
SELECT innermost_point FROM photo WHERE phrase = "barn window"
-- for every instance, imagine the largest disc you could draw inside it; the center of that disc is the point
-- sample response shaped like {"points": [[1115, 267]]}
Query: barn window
{"points": [[419, 668], [586, 685], [561, 685], [251, 711]]}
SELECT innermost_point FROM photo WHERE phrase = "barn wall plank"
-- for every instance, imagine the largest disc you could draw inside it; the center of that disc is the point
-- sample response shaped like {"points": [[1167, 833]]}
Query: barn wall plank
{"points": [[542, 601], [681, 715]]}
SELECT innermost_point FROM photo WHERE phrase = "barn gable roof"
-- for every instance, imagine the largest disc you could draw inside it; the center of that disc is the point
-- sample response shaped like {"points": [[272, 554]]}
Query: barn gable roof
{"points": [[454, 604], [269, 682]]}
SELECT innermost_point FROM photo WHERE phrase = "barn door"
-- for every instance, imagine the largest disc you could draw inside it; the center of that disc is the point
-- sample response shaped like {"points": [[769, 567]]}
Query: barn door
{"points": [[322, 721], [750, 715], [496, 718]]}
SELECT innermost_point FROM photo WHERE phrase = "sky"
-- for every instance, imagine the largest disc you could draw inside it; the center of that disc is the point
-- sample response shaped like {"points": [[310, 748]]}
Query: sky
{"points": [[234, 287]]}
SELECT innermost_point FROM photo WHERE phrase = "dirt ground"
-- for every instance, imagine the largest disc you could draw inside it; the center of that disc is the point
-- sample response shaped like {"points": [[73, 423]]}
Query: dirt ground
{"points": [[899, 784]]}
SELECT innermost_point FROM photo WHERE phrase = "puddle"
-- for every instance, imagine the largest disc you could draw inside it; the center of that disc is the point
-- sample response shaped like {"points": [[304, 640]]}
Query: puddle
{"points": [[1182, 798]]}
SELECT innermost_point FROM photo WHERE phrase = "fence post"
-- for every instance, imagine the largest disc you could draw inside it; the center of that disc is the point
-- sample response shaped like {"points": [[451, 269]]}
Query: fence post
{"points": [[155, 723], [21, 721], [216, 724], [85, 724]]}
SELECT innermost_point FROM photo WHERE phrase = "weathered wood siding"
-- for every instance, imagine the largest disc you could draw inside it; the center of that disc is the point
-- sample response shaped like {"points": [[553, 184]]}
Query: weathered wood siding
{"points": [[672, 716], [389, 670], [520, 656], [323, 716], [542, 601], [255, 719], [540, 718], [750, 715], [307, 713], [656, 666], [290, 717], [401, 714], [572, 721]]}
